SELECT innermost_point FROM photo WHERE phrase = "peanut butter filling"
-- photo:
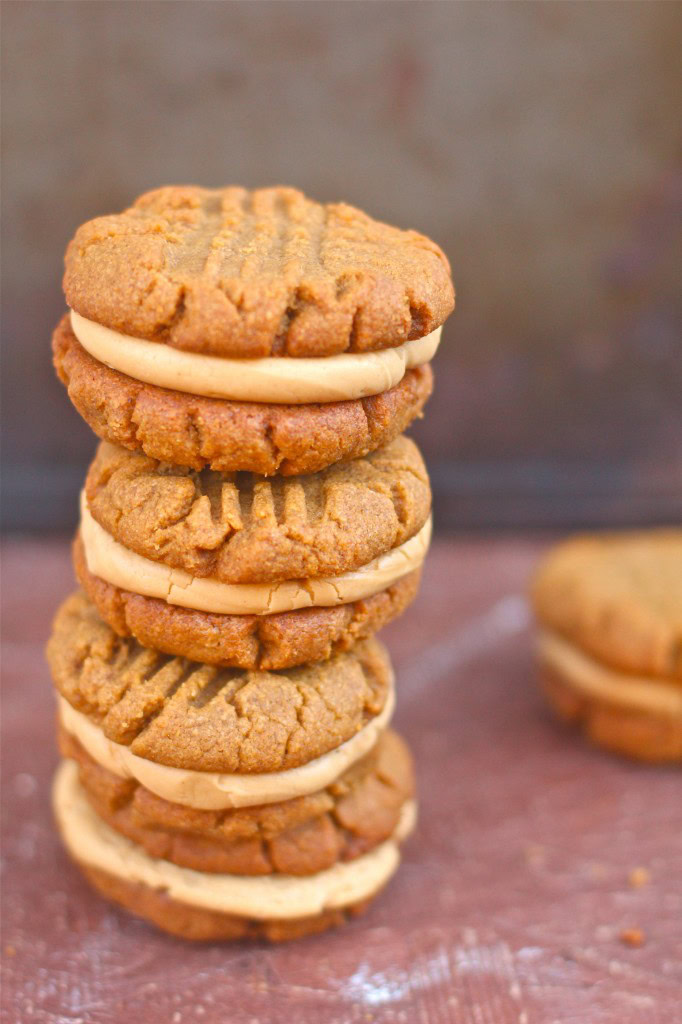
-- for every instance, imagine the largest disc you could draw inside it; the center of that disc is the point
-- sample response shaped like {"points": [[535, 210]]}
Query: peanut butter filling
{"points": [[215, 790], [583, 673], [280, 380]]}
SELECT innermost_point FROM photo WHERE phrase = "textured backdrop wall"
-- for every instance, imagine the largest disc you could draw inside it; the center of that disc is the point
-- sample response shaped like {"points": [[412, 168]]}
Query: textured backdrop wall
{"points": [[537, 143]]}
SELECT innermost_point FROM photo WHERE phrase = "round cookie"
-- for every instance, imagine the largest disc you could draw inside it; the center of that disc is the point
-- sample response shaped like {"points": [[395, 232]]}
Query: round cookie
{"points": [[201, 925], [351, 816], [204, 719], [200, 905], [240, 528], [253, 274], [610, 608], [278, 641], [230, 436]]}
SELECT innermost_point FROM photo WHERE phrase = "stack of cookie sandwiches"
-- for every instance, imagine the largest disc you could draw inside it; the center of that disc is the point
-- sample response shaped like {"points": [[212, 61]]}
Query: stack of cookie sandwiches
{"points": [[252, 516], [610, 647]]}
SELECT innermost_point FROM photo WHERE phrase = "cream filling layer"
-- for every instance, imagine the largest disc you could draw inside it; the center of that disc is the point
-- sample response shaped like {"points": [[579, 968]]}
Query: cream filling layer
{"points": [[213, 791], [277, 380], [124, 568], [642, 693], [90, 841]]}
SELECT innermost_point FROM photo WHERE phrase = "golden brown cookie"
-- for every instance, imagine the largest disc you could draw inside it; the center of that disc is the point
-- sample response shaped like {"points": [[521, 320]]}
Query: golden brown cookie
{"points": [[272, 573], [296, 837], [228, 436], [199, 717], [240, 528], [610, 608], [277, 641], [201, 925], [618, 597], [198, 904], [249, 274]]}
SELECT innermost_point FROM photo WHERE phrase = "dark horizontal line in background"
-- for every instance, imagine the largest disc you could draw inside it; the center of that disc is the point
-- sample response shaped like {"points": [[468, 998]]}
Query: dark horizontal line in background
{"points": [[510, 494], [554, 493]]}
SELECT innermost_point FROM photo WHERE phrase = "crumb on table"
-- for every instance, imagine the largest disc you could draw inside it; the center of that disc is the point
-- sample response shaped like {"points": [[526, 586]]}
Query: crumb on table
{"points": [[632, 937]]}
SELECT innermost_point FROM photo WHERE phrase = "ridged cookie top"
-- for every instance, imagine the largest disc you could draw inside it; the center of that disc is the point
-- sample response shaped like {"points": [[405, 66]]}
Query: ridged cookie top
{"points": [[618, 597], [199, 717], [240, 528], [258, 273]]}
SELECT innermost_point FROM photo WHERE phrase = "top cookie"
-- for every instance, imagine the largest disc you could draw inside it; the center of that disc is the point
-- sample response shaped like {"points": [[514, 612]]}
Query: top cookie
{"points": [[249, 274], [239, 528], [203, 718], [618, 597]]}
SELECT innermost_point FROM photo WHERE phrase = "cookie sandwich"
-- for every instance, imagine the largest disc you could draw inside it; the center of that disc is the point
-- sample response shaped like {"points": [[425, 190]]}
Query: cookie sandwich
{"points": [[224, 803], [240, 570], [249, 330], [610, 646]]}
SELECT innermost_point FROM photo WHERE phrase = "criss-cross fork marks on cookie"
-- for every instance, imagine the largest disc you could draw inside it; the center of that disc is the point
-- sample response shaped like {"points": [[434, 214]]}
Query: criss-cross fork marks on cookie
{"points": [[205, 718], [250, 274]]}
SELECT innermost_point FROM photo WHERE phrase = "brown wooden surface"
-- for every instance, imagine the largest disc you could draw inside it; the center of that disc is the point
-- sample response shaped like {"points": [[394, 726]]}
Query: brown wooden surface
{"points": [[513, 894]]}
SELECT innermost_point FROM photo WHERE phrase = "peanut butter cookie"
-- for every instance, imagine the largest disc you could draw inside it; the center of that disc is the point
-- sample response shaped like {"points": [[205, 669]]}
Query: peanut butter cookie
{"points": [[301, 836], [205, 905], [188, 715], [249, 274], [236, 570], [239, 528], [610, 608]]}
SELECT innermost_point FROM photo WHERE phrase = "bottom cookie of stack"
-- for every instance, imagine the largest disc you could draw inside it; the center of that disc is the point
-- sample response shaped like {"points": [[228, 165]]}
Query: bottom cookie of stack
{"points": [[276, 871], [225, 803]]}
